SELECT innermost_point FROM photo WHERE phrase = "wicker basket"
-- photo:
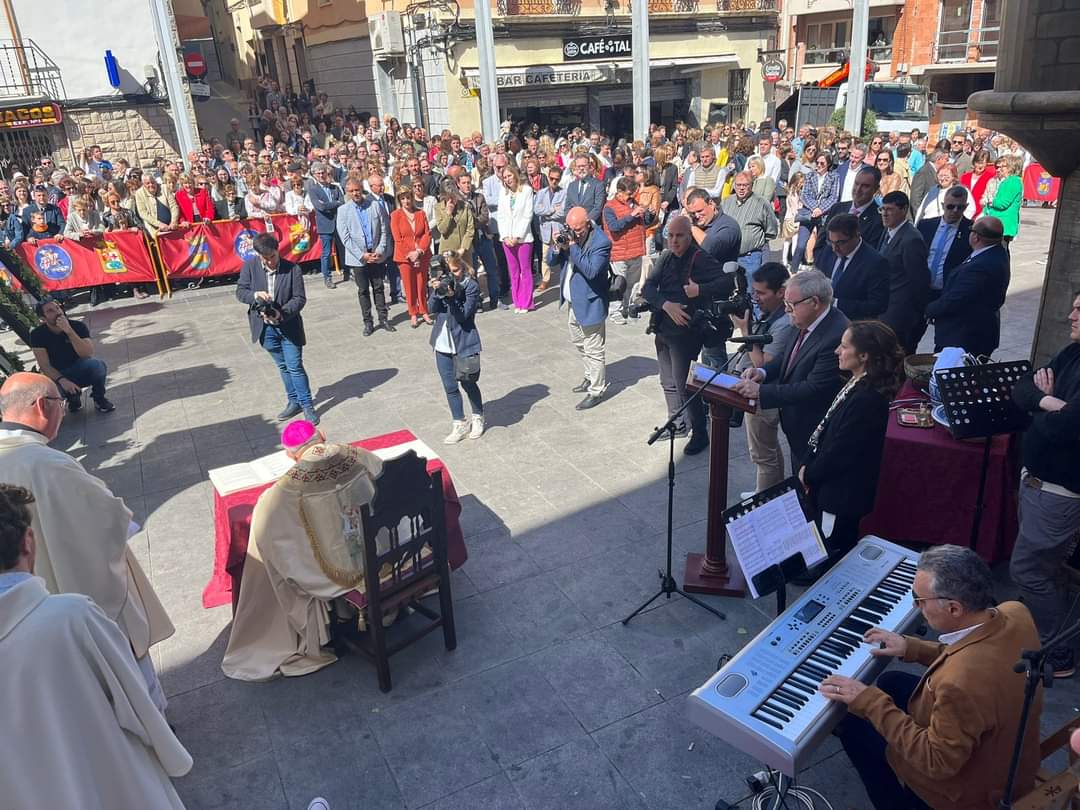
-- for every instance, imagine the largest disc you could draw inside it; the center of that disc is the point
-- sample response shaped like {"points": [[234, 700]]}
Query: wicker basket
{"points": [[919, 368]]}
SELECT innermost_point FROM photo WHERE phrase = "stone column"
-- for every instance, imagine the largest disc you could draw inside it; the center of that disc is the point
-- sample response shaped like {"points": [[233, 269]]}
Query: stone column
{"points": [[1035, 101]]}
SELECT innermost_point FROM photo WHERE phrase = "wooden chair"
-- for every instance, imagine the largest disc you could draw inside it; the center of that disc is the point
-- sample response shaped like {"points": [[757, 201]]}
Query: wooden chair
{"points": [[1054, 791], [407, 567]]}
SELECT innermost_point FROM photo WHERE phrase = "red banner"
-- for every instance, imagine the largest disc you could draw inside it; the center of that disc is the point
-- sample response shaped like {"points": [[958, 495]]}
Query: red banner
{"points": [[108, 258], [1039, 185], [220, 248]]}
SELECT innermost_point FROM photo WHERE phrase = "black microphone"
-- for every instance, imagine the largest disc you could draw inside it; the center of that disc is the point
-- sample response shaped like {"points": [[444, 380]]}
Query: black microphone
{"points": [[753, 340]]}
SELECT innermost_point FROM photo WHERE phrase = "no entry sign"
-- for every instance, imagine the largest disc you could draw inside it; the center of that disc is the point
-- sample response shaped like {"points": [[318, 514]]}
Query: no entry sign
{"points": [[194, 64]]}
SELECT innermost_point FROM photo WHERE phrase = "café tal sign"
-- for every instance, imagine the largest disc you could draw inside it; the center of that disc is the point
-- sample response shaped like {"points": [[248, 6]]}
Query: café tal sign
{"points": [[593, 48], [41, 114]]}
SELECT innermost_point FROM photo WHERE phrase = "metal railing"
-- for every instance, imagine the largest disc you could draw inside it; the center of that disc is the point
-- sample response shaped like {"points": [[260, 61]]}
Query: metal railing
{"points": [[534, 8], [954, 46], [670, 6], [834, 56], [26, 71], [746, 6]]}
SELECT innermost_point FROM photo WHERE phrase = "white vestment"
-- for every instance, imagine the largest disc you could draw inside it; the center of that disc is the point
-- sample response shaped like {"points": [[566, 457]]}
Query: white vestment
{"points": [[281, 615], [81, 530], [80, 729]]}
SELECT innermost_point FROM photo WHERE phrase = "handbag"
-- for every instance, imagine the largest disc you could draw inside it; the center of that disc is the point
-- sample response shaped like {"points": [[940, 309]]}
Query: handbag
{"points": [[467, 369], [616, 285]]}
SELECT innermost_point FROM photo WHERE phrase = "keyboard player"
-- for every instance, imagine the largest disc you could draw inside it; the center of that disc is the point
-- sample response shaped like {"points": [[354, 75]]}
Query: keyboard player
{"points": [[944, 740]]}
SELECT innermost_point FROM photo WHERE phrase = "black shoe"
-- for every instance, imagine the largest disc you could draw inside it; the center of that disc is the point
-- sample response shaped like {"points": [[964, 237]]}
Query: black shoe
{"points": [[369, 330], [582, 386], [291, 410], [1062, 663], [104, 406], [389, 327], [736, 419], [311, 416], [74, 404], [589, 402], [329, 282], [699, 440]]}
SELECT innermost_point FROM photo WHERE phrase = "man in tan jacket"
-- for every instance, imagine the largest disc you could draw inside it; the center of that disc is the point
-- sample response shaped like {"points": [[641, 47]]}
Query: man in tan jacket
{"points": [[945, 740], [156, 207]]}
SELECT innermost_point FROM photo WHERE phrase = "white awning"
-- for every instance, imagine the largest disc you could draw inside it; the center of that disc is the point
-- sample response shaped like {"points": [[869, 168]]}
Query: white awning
{"points": [[510, 78], [944, 68]]}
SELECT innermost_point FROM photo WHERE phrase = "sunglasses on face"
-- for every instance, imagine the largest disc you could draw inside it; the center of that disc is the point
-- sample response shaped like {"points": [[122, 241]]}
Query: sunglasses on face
{"points": [[951, 207]]}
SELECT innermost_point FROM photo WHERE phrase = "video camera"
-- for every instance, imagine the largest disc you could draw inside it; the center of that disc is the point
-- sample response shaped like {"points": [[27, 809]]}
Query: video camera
{"points": [[268, 309], [440, 272]]}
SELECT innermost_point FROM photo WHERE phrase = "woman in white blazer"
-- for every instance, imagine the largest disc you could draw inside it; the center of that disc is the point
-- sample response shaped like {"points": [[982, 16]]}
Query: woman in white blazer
{"points": [[514, 217]]}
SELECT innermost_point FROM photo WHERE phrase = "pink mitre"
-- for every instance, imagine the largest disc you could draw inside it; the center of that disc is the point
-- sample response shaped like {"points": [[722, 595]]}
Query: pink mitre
{"points": [[297, 434]]}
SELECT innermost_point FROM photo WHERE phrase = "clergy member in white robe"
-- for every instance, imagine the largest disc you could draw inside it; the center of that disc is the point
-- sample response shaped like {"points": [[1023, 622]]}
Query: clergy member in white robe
{"points": [[80, 728], [81, 528], [305, 549]]}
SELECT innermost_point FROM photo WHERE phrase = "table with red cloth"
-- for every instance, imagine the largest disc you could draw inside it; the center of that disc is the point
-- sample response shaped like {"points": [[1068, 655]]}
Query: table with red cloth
{"points": [[929, 484], [232, 522]]}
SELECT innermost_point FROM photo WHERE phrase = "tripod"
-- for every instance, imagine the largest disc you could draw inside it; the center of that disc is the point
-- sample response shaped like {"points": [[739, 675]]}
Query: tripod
{"points": [[667, 582]]}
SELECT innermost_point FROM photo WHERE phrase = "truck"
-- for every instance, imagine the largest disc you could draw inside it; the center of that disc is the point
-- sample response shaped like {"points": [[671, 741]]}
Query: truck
{"points": [[898, 106]]}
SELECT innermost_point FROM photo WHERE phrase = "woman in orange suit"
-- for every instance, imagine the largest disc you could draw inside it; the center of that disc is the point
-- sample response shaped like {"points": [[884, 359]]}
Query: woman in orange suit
{"points": [[412, 252]]}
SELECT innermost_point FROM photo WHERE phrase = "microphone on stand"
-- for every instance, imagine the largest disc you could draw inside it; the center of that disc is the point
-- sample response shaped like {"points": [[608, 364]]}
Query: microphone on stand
{"points": [[752, 340]]}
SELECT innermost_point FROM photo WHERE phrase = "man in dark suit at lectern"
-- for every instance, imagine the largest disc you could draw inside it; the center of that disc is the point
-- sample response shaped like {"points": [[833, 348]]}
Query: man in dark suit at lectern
{"points": [[803, 381]]}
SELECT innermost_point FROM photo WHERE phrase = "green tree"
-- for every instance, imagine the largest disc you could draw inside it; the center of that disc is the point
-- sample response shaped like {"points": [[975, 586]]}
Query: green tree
{"points": [[869, 121]]}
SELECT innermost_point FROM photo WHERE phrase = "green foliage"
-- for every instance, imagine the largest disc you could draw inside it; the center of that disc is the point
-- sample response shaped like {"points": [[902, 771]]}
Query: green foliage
{"points": [[869, 121], [14, 310]]}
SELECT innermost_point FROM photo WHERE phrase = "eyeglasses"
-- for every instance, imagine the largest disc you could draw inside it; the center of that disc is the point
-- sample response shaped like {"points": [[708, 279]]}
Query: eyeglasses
{"points": [[954, 207], [789, 306], [62, 400], [838, 242], [920, 599]]}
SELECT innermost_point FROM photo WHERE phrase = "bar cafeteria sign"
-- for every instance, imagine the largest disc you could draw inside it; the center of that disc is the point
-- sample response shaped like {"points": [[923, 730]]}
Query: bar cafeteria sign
{"points": [[43, 114], [592, 48]]}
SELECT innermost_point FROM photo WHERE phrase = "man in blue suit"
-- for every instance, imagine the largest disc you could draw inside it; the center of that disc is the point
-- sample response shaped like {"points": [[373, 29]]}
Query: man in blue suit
{"points": [[327, 197], [966, 314], [859, 274], [585, 191], [584, 257], [364, 237]]}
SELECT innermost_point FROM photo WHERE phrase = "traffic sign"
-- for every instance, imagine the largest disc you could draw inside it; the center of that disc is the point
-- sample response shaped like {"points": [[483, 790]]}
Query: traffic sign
{"points": [[194, 64], [773, 70]]}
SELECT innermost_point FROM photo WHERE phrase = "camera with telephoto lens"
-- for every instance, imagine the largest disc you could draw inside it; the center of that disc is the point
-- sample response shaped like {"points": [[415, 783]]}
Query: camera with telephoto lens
{"points": [[440, 272], [562, 240], [268, 309], [710, 320]]}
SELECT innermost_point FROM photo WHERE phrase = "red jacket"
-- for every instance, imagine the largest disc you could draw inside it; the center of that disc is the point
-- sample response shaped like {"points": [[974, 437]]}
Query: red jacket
{"points": [[406, 240], [200, 202], [626, 232]]}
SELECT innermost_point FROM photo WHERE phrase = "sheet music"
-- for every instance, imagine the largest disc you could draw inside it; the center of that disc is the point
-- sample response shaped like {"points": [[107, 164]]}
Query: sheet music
{"points": [[772, 532], [723, 379]]}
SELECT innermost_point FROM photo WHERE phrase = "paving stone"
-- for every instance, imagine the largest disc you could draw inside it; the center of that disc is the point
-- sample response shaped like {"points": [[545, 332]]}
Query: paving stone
{"points": [[576, 775]]}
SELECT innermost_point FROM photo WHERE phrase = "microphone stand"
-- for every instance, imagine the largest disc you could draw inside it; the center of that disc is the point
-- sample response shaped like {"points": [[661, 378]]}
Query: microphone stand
{"points": [[1034, 665], [668, 586]]}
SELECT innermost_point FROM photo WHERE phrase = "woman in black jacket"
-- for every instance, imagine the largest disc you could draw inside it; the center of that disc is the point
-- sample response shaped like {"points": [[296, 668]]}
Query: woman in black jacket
{"points": [[844, 461]]}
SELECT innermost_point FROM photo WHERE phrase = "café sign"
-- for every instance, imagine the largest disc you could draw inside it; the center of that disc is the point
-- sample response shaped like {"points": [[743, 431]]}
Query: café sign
{"points": [[545, 76], [593, 48], [40, 114]]}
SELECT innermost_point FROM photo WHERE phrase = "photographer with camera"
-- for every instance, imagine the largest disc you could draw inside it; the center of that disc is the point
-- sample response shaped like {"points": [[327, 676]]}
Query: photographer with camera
{"points": [[684, 279], [762, 427], [583, 253], [718, 235], [273, 290], [454, 300]]}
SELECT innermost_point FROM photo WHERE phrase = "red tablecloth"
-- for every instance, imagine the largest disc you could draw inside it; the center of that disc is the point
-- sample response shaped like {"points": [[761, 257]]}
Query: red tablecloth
{"points": [[929, 484], [232, 523]]}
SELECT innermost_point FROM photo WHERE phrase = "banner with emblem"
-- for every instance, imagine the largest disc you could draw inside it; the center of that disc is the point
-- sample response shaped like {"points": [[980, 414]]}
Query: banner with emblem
{"points": [[220, 248], [93, 261], [1040, 185]]}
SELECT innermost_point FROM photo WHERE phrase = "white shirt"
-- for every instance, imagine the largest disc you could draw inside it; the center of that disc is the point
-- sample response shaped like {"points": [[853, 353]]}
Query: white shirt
{"points": [[772, 165], [849, 181], [846, 262], [957, 635], [975, 253]]}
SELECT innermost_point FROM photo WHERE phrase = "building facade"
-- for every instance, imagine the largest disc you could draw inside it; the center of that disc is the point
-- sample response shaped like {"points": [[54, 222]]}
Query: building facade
{"points": [[950, 46], [560, 63]]}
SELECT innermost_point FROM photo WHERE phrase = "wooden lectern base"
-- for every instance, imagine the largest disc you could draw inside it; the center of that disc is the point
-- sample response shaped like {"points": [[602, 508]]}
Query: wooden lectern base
{"points": [[698, 579]]}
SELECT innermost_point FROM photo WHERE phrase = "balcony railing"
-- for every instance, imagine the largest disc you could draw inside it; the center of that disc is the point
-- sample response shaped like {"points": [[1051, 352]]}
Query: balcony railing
{"points": [[670, 6], [955, 46], [746, 6], [834, 56], [537, 8], [26, 71]]}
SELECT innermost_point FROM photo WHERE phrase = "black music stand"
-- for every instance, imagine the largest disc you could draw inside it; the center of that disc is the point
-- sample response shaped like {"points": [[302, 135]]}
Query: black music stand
{"points": [[775, 578], [978, 404]]}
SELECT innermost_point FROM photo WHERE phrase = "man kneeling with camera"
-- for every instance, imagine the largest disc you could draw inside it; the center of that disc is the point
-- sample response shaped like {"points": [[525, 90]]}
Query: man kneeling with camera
{"points": [[679, 290]]}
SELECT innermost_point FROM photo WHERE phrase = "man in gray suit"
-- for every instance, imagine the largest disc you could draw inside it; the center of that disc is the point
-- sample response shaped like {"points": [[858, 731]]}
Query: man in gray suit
{"points": [[364, 236], [585, 191]]}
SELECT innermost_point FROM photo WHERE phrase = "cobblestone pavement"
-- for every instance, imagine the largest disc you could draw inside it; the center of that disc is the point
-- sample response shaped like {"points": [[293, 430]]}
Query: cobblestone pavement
{"points": [[548, 701]]}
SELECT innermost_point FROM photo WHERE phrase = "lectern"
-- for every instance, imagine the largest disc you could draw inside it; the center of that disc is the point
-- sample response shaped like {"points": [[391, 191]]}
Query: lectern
{"points": [[710, 572]]}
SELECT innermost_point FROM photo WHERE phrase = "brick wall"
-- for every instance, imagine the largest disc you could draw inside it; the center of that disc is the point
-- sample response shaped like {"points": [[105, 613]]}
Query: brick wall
{"points": [[139, 133]]}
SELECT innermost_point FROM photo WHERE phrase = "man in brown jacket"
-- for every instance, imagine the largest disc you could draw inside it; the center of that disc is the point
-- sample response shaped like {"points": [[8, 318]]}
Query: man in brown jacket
{"points": [[945, 740]]}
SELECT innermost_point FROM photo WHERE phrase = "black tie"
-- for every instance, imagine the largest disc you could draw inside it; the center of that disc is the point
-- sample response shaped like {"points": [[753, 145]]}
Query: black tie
{"points": [[884, 240], [839, 271]]}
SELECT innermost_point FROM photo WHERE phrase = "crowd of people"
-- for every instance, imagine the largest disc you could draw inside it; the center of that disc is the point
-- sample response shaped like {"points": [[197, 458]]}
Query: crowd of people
{"points": [[883, 236]]}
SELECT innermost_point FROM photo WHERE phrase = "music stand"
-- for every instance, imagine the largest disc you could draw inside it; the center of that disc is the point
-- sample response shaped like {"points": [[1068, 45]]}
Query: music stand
{"points": [[775, 577], [978, 404]]}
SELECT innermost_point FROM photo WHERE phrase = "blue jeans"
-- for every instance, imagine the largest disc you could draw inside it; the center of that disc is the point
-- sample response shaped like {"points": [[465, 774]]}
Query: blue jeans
{"points": [[445, 364], [487, 256], [393, 276], [87, 371], [290, 362], [325, 265]]}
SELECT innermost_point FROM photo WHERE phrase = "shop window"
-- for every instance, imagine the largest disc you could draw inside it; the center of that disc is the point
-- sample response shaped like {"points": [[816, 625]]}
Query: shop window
{"points": [[22, 149], [880, 38], [738, 95], [954, 30], [826, 42]]}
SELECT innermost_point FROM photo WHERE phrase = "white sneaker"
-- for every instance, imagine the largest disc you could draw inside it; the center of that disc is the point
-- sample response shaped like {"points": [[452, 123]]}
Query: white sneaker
{"points": [[477, 426], [319, 803], [458, 431]]}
